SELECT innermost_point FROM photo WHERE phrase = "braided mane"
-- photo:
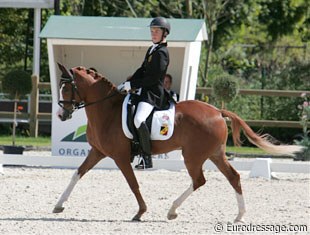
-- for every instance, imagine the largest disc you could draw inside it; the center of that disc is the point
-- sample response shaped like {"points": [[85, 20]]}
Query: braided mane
{"points": [[105, 80], [97, 76]]}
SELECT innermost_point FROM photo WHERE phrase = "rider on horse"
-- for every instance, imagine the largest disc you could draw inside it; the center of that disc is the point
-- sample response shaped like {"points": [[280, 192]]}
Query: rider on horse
{"points": [[149, 77]]}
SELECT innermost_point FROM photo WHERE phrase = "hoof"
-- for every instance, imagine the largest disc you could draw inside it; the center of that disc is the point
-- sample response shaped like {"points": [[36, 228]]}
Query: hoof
{"points": [[58, 209], [172, 216], [240, 221], [136, 218]]}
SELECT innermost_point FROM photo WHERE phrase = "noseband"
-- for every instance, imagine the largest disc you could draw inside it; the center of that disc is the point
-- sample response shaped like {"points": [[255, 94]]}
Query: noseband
{"points": [[76, 105]]}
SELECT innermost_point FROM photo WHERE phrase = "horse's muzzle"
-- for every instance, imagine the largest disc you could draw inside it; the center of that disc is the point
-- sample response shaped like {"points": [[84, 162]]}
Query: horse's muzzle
{"points": [[64, 115]]}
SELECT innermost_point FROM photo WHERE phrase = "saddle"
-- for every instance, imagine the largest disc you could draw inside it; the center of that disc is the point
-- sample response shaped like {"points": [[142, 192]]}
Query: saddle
{"points": [[160, 122]]}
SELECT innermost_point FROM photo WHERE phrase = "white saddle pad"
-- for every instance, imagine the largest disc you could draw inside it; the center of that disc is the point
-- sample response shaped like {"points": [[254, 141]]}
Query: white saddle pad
{"points": [[162, 123]]}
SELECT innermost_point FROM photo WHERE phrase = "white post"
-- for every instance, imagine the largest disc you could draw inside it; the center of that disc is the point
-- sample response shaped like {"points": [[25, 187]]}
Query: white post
{"points": [[36, 42]]}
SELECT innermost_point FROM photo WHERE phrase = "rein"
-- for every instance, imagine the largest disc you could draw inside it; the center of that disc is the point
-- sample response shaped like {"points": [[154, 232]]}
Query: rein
{"points": [[80, 105], [83, 105]]}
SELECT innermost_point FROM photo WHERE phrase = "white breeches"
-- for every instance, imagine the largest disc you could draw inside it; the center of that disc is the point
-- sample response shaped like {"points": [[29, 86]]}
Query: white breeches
{"points": [[143, 111]]}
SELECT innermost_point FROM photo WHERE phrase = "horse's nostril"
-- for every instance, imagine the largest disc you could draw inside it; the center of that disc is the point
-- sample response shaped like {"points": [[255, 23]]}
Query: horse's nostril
{"points": [[61, 117]]}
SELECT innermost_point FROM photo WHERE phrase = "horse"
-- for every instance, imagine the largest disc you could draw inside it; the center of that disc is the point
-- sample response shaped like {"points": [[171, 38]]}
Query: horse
{"points": [[84, 88]]}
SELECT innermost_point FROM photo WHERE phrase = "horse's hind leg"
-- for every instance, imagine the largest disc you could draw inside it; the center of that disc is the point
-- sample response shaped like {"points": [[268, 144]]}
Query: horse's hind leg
{"points": [[198, 180], [234, 179], [92, 159]]}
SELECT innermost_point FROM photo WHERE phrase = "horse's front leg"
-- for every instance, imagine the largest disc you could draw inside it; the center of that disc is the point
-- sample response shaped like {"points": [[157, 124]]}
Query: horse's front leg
{"points": [[126, 168], [65, 195], [91, 160]]}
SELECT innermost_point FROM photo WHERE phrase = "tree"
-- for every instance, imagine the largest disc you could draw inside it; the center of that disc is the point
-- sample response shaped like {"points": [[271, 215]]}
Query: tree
{"points": [[13, 23], [219, 14], [133, 8], [260, 23], [16, 83], [225, 89], [283, 17]]}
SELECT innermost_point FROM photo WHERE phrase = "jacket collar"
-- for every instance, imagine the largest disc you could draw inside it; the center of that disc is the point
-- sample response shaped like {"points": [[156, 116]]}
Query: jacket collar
{"points": [[150, 51]]}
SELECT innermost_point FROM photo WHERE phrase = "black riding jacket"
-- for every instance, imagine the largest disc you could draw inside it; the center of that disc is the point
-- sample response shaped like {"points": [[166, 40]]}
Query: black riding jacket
{"points": [[150, 76]]}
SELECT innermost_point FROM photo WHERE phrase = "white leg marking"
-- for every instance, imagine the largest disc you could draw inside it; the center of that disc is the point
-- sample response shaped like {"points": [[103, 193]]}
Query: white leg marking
{"points": [[241, 207], [178, 202], [65, 195]]}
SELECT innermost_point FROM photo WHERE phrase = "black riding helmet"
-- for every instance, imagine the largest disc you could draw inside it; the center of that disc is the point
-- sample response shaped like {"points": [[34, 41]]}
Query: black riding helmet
{"points": [[161, 22]]}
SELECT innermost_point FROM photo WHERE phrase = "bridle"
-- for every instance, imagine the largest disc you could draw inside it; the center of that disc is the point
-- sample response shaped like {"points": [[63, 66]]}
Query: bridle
{"points": [[74, 103]]}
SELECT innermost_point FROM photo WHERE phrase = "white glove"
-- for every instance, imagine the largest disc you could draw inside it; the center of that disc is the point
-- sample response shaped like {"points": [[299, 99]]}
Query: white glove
{"points": [[125, 86]]}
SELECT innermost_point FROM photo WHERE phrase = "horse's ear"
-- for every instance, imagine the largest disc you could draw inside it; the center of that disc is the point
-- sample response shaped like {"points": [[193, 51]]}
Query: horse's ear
{"points": [[65, 72]]}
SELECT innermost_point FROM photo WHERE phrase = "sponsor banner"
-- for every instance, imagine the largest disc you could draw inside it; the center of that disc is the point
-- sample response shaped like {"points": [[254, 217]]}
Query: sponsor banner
{"points": [[174, 155], [69, 137]]}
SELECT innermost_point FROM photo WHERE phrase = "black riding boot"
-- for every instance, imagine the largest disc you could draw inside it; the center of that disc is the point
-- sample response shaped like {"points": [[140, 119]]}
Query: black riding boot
{"points": [[145, 142]]}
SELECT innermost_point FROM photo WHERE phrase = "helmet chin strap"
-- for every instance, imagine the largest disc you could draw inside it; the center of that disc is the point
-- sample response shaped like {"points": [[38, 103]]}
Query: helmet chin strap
{"points": [[163, 37]]}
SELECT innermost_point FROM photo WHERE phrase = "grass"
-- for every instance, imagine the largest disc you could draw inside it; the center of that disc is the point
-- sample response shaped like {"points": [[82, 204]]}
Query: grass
{"points": [[249, 150], [26, 141], [46, 141]]}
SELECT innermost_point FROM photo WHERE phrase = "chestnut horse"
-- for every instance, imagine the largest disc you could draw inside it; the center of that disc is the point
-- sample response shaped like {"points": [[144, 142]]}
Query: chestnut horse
{"points": [[194, 120]]}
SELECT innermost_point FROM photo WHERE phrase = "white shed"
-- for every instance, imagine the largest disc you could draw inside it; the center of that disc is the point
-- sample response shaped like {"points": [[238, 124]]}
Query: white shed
{"points": [[116, 46]]}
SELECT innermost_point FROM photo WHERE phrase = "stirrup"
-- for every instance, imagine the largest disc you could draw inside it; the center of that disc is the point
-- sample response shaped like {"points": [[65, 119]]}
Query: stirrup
{"points": [[142, 164]]}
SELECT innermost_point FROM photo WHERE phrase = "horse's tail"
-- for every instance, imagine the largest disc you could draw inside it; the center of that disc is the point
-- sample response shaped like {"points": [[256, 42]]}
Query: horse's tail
{"points": [[259, 140]]}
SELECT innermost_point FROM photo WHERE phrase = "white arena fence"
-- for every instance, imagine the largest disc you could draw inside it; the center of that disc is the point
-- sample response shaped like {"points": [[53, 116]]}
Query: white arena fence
{"points": [[258, 167]]}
